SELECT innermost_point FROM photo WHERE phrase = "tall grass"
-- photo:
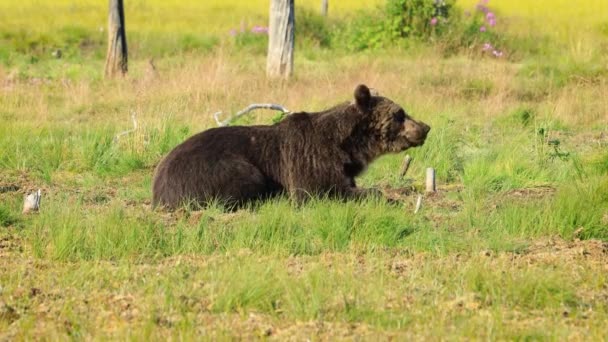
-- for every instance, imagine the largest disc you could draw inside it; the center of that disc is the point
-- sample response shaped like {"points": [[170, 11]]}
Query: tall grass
{"points": [[490, 146]]}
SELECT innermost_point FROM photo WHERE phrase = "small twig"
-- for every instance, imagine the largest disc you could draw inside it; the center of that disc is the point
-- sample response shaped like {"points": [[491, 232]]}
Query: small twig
{"points": [[247, 110], [418, 204], [128, 131], [406, 166]]}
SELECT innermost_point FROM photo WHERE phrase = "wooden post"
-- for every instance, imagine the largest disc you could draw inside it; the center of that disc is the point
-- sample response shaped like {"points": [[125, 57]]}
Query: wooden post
{"points": [[324, 7], [430, 180], [280, 39], [406, 165], [116, 58], [31, 202]]}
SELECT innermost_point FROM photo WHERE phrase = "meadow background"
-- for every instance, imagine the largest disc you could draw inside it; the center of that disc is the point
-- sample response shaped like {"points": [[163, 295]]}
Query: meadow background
{"points": [[512, 246]]}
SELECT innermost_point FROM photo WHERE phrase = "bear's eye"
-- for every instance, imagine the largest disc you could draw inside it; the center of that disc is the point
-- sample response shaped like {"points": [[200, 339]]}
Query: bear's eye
{"points": [[399, 117]]}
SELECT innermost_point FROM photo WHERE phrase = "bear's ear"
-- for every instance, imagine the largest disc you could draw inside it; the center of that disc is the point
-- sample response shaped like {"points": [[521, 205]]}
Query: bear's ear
{"points": [[363, 97]]}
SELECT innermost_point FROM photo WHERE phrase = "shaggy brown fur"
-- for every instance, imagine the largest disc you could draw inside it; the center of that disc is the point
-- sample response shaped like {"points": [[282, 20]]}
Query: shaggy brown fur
{"points": [[304, 154]]}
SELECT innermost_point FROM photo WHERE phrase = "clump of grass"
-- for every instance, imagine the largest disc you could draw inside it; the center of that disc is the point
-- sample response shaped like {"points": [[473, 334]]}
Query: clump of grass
{"points": [[600, 163], [521, 118], [69, 234], [562, 71], [314, 30], [572, 207], [7, 218], [65, 232], [477, 88], [46, 152]]}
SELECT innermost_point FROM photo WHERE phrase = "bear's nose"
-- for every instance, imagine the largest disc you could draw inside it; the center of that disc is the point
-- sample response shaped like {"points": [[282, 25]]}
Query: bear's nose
{"points": [[426, 128]]}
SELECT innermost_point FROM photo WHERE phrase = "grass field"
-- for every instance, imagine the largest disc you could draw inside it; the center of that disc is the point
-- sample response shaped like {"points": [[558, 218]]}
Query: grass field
{"points": [[513, 246]]}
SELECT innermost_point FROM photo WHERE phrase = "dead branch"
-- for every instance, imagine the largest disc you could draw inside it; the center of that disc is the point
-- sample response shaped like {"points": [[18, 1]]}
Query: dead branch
{"points": [[406, 166], [247, 110], [128, 131]]}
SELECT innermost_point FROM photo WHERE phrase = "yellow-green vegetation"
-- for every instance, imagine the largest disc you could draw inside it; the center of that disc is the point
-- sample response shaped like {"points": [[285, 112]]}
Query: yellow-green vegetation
{"points": [[513, 246], [151, 16], [560, 17]]}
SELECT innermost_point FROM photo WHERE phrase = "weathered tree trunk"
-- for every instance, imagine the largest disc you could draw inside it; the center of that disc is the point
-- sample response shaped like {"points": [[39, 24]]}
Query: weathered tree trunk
{"points": [[116, 59], [324, 7], [280, 39]]}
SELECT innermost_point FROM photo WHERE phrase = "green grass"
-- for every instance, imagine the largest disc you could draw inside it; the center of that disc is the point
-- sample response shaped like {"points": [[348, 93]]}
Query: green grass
{"points": [[512, 246], [487, 297]]}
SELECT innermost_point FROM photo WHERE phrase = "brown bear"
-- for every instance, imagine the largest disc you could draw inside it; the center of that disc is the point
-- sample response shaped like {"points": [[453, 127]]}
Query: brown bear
{"points": [[304, 154]]}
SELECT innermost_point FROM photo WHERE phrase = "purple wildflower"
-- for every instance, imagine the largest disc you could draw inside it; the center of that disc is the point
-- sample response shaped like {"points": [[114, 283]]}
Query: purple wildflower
{"points": [[497, 53], [482, 8], [259, 29], [490, 15], [487, 46], [492, 22], [434, 21], [482, 29]]}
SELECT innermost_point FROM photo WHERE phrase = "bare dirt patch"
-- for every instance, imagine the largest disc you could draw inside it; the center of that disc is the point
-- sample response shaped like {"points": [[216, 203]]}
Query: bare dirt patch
{"points": [[551, 249], [530, 193]]}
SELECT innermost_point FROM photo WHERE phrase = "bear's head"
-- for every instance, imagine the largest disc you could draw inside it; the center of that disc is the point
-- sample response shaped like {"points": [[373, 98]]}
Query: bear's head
{"points": [[393, 128]]}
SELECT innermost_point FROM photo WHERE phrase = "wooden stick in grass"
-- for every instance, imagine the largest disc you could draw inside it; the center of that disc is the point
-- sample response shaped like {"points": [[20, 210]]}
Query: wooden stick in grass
{"points": [[418, 204], [31, 202], [406, 165], [430, 180]]}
